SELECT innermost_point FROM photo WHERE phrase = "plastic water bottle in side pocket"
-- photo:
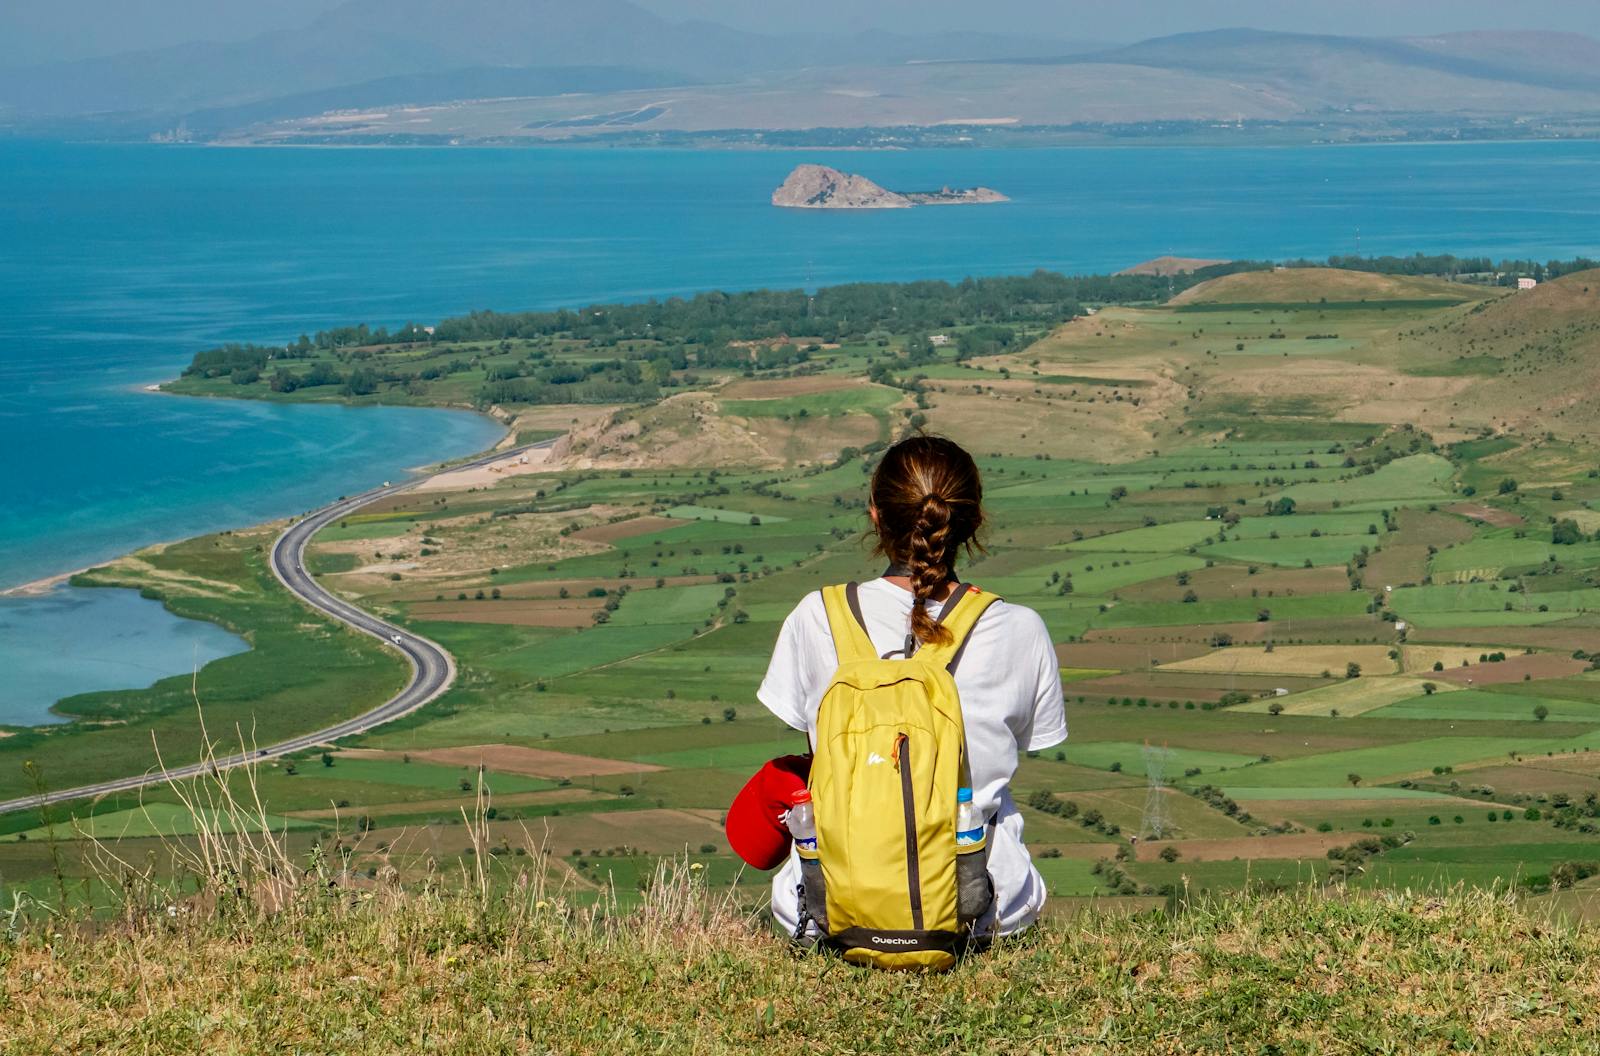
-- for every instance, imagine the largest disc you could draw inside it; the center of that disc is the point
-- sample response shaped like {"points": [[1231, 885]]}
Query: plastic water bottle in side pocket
{"points": [[802, 824], [974, 888]]}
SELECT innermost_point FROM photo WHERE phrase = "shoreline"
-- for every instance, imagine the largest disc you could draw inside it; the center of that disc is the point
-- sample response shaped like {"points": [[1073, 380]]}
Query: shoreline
{"points": [[1089, 139], [45, 584], [494, 458], [38, 588]]}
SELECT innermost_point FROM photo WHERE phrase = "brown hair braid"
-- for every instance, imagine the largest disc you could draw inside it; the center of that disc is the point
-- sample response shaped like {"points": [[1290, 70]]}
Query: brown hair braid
{"points": [[929, 503]]}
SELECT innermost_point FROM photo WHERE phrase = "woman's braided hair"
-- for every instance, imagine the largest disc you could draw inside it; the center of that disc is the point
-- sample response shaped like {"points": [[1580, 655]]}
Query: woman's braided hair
{"points": [[929, 502]]}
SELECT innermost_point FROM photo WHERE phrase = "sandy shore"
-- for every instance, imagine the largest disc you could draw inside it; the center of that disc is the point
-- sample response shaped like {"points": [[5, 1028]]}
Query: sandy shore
{"points": [[40, 586], [488, 475]]}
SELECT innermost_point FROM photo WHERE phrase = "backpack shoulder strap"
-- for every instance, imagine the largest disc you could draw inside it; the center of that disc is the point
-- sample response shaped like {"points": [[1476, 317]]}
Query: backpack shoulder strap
{"points": [[845, 622], [959, 615]]}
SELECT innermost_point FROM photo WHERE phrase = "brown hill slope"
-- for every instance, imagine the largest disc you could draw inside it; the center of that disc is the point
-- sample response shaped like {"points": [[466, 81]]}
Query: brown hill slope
{"points": [[1538, 352], [1332, 285], [1170, 266]]}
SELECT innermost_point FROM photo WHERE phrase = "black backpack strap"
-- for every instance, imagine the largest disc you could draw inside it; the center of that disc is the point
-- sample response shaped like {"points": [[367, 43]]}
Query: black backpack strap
{"points": [[944, 610], [956, 594], [852, 597], [955, 659]]}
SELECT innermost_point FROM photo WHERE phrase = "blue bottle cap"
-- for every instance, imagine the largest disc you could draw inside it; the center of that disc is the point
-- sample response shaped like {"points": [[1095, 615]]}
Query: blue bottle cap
{"points": [[963, 795]]}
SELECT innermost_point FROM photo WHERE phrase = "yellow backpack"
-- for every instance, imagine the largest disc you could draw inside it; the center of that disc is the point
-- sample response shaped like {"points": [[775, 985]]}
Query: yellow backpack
{"points": [[889, 756]]}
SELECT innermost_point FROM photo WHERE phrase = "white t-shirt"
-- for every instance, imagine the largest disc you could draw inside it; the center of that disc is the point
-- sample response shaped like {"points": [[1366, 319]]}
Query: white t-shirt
{"points": [[1010, 686]]}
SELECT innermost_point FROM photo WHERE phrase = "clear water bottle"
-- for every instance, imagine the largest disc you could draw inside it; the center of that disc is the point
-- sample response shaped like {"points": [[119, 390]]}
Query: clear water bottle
{"points": [[801, 822], [974, 888], [969, 823]]}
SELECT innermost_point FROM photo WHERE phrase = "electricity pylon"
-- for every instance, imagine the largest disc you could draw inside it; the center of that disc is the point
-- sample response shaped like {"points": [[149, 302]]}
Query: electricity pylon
{"points": [[1156, 825]]}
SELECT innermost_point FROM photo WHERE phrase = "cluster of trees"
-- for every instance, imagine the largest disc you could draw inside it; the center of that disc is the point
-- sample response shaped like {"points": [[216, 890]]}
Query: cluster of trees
{"points": [[615, 381], [1048, 802], [230, 360], [1581, 817], [986, 340], [1445, 265], [1568, 874], [1217, 799], [712, 320], [233, 359], [1351, 860], [354, 337], [285, 380], [1449, 266], [1567, 532]]}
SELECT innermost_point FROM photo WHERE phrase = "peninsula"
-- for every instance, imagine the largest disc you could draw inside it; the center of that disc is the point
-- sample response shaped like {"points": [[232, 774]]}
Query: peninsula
{"points": [[821, 187]]}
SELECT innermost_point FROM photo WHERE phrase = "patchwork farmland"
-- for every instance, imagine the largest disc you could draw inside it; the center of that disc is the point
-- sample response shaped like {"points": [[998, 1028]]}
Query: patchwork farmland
{"points": [[1351, 619]]}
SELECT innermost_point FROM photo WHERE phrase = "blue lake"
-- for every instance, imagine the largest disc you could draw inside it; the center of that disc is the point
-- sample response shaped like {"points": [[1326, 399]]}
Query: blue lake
{"points": [[77, 641], [117, 263]]}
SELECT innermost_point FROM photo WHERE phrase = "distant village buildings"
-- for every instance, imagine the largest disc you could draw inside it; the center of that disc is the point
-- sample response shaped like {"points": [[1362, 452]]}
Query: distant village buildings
{"points": [[938, 340], [1526, 283]]}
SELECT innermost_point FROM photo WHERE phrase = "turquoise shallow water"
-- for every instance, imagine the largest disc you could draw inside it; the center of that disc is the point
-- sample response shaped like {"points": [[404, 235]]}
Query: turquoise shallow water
{"points": [[118, 262]]}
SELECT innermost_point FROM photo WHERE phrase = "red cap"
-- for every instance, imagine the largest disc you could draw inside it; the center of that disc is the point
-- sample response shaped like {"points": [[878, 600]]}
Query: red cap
{"points": [[801, 795], [754, 826]]}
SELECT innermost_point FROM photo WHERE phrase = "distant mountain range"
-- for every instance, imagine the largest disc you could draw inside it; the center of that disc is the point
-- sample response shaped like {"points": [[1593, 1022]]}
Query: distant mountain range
{"points": [[511, 70], [364, 44]]}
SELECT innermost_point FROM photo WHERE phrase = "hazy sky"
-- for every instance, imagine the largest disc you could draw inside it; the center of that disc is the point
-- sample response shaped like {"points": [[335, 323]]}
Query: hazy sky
{"points": [[40, 30], [1128, 20]]}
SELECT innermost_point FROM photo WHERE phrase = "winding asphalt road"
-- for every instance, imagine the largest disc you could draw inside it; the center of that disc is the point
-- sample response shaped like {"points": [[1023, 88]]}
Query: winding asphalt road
{"points": [[432, 668]]}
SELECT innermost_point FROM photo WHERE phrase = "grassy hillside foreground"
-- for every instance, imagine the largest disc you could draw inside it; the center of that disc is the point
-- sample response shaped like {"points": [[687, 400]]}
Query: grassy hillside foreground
{"points": [[522, 972]]}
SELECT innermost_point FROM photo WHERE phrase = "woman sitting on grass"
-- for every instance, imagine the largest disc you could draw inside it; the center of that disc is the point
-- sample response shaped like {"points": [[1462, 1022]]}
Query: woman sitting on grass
{"points": [[925, 506]]}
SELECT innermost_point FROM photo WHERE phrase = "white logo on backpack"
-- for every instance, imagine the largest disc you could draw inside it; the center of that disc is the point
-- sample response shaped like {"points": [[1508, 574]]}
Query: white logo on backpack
{"points": [[874, 759]]}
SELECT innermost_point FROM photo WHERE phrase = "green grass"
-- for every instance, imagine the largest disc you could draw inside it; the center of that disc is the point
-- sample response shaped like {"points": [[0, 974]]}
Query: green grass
{"points": [[445, 779], [1375, 765], [1069, 877], [707, 513], [1436, 601], [1247, 794], [1306, 971], [684, 606], [1375, 305], [1477, 706], [1157, 539], [1461, 366], [1102, 754], [370, 526], [151, 819], [745, 758], [549, 657], [1090, 575], [865, 399], [1231, 610], [1293, 552], [1415, 479]]}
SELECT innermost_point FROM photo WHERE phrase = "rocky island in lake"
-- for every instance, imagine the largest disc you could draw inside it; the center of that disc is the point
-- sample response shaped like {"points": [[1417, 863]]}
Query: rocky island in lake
{"points": [[820, 187]]}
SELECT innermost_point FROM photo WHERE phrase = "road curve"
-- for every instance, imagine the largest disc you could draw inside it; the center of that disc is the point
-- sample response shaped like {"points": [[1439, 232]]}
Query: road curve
{"points": [[432, 668]]}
